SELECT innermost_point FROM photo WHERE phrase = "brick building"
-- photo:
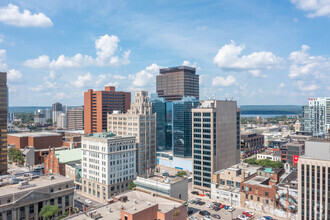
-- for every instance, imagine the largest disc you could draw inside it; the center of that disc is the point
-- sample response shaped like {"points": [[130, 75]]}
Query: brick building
{"points": [[97, 104], [38, 140], [56, 160], [251, 143]]}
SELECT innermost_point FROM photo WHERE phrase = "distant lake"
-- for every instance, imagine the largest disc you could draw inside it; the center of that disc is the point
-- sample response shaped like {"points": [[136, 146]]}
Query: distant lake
{"points": [[265, 115]]}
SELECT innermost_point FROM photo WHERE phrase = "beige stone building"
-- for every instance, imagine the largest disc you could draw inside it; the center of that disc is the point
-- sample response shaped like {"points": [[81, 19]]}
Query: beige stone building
{"points": [[140, 122], [26, 199], [108, 165]]}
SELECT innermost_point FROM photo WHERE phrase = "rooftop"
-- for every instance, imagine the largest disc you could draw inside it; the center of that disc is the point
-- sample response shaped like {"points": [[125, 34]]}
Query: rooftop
{"points": [[35, 134], [272, 153], [137, 201], [294, 143], [66, 156], [105, 136], [178, 69], [42, 181], [246, 168], [170, 179], [258, 180]]}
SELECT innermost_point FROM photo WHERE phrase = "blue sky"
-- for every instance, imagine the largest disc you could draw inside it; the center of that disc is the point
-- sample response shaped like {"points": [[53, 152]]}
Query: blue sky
{"points": [[258, 52]]}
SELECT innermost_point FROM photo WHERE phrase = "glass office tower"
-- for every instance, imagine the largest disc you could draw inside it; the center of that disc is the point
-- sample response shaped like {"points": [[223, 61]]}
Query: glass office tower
{"points": [[3, 122], [159, 107]]}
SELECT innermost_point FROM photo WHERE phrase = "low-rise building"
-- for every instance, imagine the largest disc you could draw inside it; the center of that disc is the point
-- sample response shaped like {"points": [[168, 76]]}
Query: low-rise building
{"points": [[270, 155], [251, 143], [137, 205], [26, 199], [56, 160], [227, 182], [291, 150], [73, 171], [176, 187], [38, 140]]}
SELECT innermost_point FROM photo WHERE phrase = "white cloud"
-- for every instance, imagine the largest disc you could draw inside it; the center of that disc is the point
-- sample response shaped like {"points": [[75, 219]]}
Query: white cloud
{"points": [[12, 16], [221, 81], [100, 80], [1, 38], [106, 47], [14, 75], [228, 58], [3, 56], [257, 73], [119, 77], [115, 84], [281, 85], [304, 66], [315, 8], [36, 89], [60, 95], [52, 74], [145, 77], [82, 80], [302, 86]]}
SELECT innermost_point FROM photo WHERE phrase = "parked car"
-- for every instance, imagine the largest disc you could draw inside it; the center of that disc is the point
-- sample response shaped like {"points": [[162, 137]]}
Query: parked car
{"points": [[207, 218], [231, 209], [216, 216], [204, 213], [193, 218], [248, 214], [267, 218], [216, 208], [243, 217], [190, 211], [201, 203], [222, 206], [227, 207], [195, 192]]}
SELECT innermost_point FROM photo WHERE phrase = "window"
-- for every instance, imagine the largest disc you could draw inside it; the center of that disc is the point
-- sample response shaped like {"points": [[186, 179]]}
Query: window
{"points": [[266, 194], [67, 200], [51, 190], [246, 196], [258, 199], [251, 197], [250, 189], [31, 208], [266, 201]]}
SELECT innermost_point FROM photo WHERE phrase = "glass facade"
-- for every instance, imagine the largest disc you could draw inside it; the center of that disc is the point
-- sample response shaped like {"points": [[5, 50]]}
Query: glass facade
{"points": [[159, 107], [3, 122]]}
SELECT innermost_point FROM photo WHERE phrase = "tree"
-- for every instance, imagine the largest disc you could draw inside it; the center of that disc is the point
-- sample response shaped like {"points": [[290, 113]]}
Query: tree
{"points": [[15, 155], [49, 211], [131, 185], [181, 173]]}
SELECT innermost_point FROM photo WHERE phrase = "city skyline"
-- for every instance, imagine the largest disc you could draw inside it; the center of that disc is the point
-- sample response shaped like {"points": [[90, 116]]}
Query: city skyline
{"points": [[258, 53]]}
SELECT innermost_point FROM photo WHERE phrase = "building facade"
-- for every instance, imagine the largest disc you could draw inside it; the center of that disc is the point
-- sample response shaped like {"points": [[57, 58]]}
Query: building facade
{"points": [[316, 116], [97, 104], [3, 122], [290, 150], [57, 110], [76, 119], [26, 199], [177, 82], [62, 120], [140, 122], [216, 140], [159, 107], [108, 164], [251, 143]]}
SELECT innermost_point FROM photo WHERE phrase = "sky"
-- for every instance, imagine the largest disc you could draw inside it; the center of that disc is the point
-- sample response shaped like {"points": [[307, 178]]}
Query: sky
{"points": [[274, 52]]}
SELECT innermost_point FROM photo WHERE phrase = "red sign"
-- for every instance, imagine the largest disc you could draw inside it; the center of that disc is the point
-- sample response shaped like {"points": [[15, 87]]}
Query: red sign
{"points": [[295, 159]]}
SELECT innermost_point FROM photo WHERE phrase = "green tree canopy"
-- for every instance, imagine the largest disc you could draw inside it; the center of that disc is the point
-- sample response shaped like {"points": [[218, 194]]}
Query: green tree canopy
{"points": [[131, 185], [15, 155], [49, 211], [264, 163], [181, 173]]}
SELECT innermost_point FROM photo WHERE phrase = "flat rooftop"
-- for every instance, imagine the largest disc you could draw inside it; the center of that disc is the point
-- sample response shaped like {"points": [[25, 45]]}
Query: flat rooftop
{"points": [[105, 136], [258, 180], [271, 153], [178, 69], [247, 168], [172, 179], [136, 202], [42, 181], [35, 134], [295, 144]]}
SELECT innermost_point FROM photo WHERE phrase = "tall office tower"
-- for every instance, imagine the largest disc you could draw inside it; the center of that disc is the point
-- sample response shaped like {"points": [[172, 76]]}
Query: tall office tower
{"points": [[108, 164], [57, 110], [76, 119], [3, 122], [140, 122], [316, 116], [216, 140], [179, 126], [159, 107], [64, 109], [62, 121], [314, 180], [177, 82], [97, 104], [48, 114], [39, 117]]}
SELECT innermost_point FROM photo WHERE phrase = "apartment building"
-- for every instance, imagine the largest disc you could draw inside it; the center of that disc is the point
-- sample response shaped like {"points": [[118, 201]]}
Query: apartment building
{"points": [[316, 116], [57, 110], [140, 122], [3, 122], [216, 140], [75, 119], [108, 164], [176, 82], [314, 180], [25, 199], [97, 104]]}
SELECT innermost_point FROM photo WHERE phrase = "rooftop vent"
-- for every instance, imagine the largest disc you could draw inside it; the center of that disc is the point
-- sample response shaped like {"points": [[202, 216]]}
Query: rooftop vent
{"points": [[51, 177]]}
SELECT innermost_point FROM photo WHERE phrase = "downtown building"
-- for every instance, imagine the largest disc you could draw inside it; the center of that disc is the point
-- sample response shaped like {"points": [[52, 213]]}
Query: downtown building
{"points": [[316, 116], [108, 165], [75, 118], [57, 110], [216, 140], [3, 122], [314, 180], [97, 104], [140, 122]]}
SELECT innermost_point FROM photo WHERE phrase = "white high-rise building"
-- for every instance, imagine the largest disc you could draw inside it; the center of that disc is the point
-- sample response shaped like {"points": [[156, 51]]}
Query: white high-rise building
{"points": [[108, 164], [62, 120], [316, 116], [140, 122]]}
